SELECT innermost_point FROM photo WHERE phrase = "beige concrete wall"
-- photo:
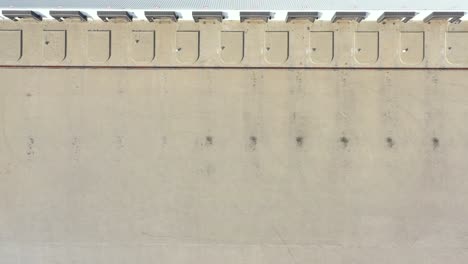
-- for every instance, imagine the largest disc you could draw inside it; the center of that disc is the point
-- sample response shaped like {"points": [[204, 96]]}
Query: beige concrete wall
{"points": [[178, 165], [295, 44]]}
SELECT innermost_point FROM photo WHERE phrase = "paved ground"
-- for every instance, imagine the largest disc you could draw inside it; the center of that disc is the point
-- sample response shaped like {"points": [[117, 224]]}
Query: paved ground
{"points": [[323, 164]]}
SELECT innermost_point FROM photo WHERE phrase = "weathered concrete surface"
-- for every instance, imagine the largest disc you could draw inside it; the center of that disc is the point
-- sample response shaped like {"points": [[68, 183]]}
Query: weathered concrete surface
{"points": [[183, 166], [234, 44], [233, 165]]}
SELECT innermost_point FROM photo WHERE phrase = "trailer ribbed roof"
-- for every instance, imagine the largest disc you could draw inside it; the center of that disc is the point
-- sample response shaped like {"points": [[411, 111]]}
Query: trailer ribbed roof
{"points": [[243, 4]]}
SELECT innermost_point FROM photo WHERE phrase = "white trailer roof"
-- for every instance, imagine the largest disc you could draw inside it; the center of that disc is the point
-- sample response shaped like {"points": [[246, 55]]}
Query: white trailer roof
{"points": [[243, 4]]}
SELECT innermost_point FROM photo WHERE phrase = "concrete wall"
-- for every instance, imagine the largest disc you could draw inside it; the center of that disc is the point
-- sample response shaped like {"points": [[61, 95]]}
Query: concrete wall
{"points": [[346, 157], [234, 44]]}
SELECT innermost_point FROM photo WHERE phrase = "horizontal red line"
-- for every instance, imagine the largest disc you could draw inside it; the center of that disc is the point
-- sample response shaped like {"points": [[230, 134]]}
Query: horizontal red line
{"points": [[124, 67]]}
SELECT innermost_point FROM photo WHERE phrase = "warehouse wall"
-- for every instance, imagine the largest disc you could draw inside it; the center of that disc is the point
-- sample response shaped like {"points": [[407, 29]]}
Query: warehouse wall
{"points": [[233, 44]]}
